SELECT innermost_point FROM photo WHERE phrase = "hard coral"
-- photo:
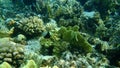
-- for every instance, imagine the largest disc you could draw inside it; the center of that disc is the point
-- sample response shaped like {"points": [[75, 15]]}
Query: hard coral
{"points": [[11, 52], [31, 26]]}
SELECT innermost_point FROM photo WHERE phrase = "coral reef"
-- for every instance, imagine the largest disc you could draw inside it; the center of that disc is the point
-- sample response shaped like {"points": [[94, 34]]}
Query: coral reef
{"points": [[59, 33], [67, 9], [4, 31], [105, 7], [65, 39], [70, 60], [53, 45]]}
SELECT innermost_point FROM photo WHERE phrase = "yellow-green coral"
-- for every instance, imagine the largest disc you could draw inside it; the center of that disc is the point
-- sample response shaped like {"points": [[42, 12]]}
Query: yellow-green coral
{"points": [[5, 65], [6, 33], [30, 64], [73, 36], [65, 39], [54, 44]]}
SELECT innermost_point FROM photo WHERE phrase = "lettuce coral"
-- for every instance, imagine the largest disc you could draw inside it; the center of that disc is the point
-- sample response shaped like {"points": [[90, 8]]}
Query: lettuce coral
{"points": [[73, 36]]}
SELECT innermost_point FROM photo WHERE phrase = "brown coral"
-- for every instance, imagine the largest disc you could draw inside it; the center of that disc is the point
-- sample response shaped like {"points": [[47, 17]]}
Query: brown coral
{"points": [[32, 25]]}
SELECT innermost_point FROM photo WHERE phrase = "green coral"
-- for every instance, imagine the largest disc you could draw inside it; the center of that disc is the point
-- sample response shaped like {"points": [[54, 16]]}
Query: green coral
{"points": [[4, 31], [30, 64], [5, 65], [53, 45], [73, 36], [65, 39], [33, 56]]}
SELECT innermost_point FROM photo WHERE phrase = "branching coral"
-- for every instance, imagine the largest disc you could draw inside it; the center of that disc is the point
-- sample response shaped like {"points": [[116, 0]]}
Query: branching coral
{"points": [[31, 26], [59, 9]]}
